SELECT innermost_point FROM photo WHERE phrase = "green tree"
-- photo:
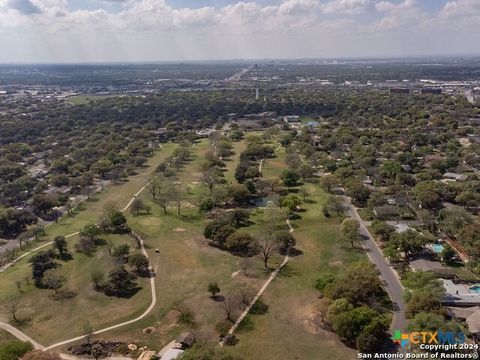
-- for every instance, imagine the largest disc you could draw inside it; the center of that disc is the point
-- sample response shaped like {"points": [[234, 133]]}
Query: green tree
{"points": [[121, 252], [373, 335], [239, 194], [120, 281], [139, 262], [350, 324], [102, 167], [390, 169], [40, 263], [359, 193], [428, 194], [290, 178], [336, 205], [291, 202], [52, 279], [98, 277], [328, 182], [448, 254], [91, 231], [382, 230], [407, 242], [350, 230], [15, 349], [240, 242], [213, 288], [359, 284], [60, 245], [239, 217], [117, 221], [136, 206], [305, 171]]}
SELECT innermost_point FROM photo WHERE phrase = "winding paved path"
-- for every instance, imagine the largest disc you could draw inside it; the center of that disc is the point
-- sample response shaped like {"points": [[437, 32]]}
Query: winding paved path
{"points": [[390, 278]]}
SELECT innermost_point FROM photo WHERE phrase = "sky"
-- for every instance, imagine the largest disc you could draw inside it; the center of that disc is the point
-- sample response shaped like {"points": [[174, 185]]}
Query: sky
{"points": [[77, 31]]}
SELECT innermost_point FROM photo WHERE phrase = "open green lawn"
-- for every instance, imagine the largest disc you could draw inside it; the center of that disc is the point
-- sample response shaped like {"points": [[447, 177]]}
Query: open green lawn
{"points": [[232, 163], [5, 337], [184, 265]]}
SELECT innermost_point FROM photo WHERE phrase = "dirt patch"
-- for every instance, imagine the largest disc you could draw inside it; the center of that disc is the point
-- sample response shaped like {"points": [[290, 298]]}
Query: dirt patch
{"points": [[199, 242], [179, 229], [313, 324], [337, 263], [167, 323]]}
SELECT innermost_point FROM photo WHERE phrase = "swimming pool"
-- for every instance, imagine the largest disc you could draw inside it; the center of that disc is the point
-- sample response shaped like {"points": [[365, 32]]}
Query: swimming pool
{"points": [[438, 248], [475, 289]]}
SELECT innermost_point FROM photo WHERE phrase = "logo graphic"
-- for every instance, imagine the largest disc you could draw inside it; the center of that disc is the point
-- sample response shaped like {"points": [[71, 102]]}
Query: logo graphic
{"points": [[427, 337], [400, 338]]}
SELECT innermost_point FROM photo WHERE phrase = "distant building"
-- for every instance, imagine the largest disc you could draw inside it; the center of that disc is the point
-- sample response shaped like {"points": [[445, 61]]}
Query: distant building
{"points": [[431, 91], [455, 176], [399, 91], [291, 118], [172, 354], [471, 315], [186, 339], [368, 180], [386, 212]]}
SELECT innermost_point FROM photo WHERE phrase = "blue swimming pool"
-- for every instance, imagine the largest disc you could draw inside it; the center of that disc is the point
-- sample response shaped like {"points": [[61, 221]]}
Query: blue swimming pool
{"points": [[475, 289], [438, 248]]}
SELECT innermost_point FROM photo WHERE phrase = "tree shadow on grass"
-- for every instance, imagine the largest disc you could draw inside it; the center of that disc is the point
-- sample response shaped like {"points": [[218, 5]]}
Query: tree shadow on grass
{"points": [[122, 294], [288, 272], [191, 217], [293, 252], [246, 325], [21, 323], [217, 298]]}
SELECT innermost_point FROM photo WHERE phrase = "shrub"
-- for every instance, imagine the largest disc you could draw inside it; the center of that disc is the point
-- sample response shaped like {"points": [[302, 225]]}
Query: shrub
{"points": [[14, 350]]}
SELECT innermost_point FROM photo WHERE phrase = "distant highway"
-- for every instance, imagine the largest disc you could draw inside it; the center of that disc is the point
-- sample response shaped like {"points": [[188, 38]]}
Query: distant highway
{"points": [[238, 76]]}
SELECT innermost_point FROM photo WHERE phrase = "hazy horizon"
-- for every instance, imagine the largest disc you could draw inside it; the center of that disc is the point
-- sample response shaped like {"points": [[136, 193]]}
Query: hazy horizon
{"points": [[146, 31], [330, 61]]}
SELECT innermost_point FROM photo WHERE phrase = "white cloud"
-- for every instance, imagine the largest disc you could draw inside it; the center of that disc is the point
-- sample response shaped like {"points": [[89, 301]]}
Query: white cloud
{"points": [[155, 30], [347, 6]]}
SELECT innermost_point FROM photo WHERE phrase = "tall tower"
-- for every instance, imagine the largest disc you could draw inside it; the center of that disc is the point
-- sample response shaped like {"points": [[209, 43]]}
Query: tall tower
{"points": [[257, 83]]}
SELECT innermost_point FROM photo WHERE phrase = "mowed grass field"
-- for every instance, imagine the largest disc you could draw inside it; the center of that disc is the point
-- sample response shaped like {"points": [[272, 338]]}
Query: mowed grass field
{"points": [[184, 265], [5, 337]]}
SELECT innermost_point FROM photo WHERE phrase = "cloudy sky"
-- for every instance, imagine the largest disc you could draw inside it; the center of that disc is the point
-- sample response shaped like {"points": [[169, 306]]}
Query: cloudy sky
{"points": [[157, 30]]}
